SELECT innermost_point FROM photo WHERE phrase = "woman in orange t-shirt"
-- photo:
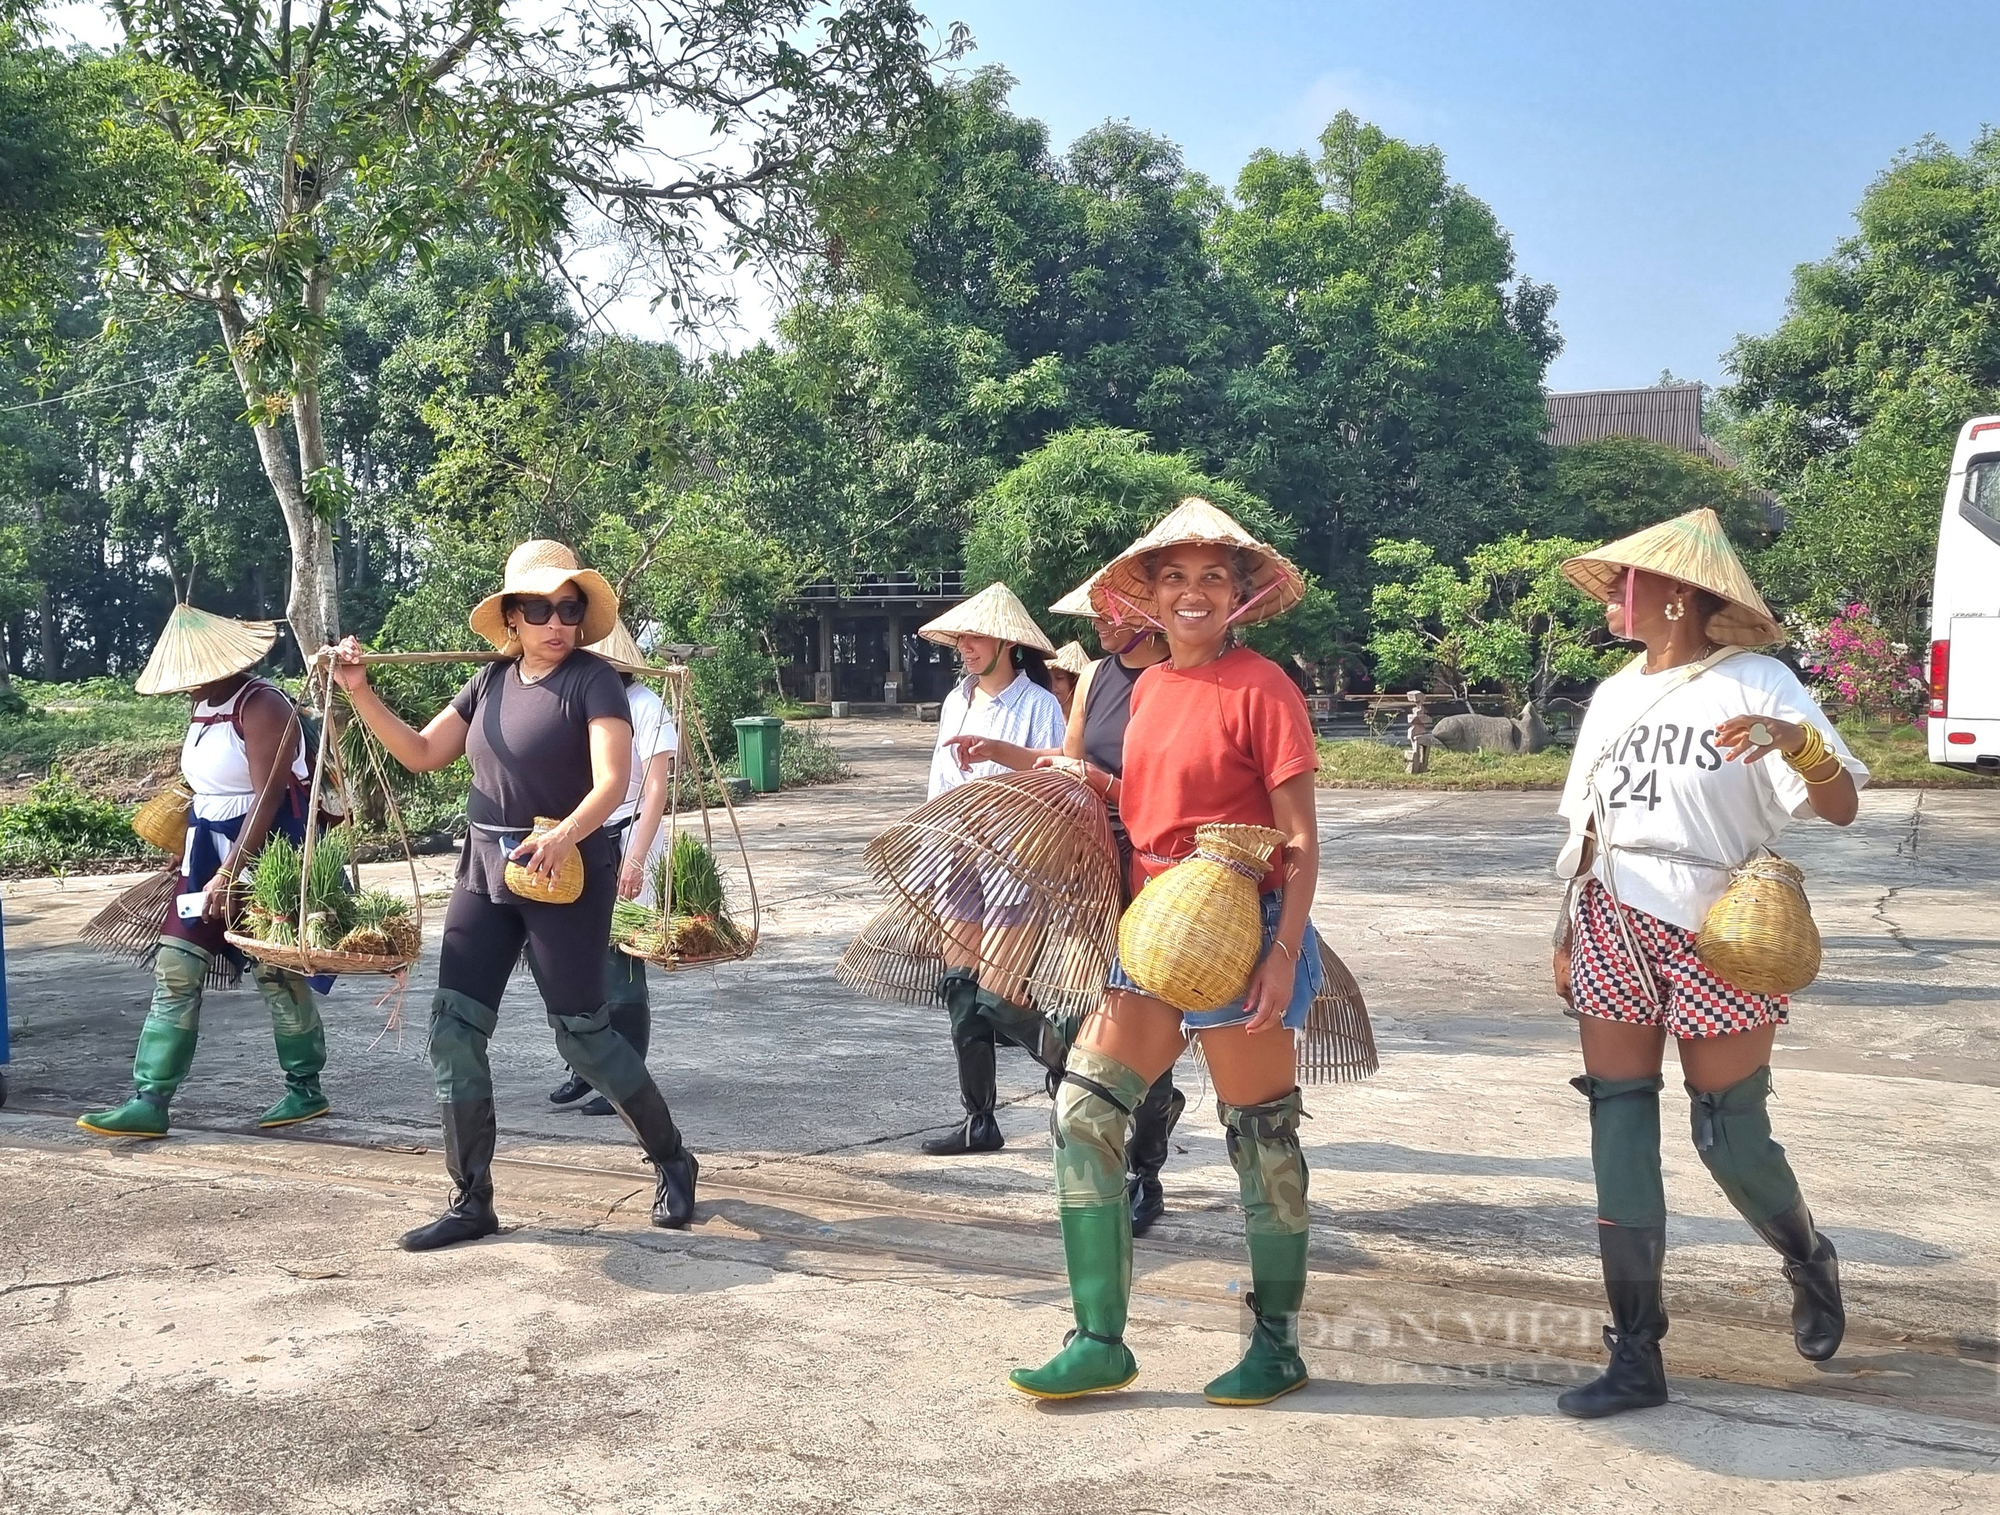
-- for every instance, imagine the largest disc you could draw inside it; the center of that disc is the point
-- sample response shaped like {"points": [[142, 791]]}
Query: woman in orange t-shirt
{"points": [[1218, 734]]}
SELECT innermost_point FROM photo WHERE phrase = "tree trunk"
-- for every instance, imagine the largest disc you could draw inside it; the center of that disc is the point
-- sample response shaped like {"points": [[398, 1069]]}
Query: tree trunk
{"points": [[45, 612], [313, 605]]}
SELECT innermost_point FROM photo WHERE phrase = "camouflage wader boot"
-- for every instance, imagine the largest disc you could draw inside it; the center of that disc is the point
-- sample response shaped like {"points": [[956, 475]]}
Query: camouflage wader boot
{"points": [[166, 1045], [1271, 1177], [1094, 1105]]}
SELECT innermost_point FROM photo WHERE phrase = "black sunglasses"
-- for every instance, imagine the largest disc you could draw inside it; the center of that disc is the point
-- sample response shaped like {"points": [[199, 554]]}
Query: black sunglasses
{"points": [[537, 612]]}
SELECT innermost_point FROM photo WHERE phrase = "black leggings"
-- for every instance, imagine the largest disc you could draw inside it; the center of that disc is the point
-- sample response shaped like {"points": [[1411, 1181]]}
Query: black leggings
{"points": [[483, 939]]}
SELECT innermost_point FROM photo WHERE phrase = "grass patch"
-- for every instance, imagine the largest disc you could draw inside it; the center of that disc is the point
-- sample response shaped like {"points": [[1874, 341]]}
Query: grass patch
{"points": [[59, 827], [63, 719], [1898, 757], [807, 757], [1374, 765]]}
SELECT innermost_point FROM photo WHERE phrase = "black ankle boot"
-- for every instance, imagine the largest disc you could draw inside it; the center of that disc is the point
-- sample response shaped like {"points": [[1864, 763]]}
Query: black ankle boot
{"points": [[469, 1135], [1812, 1268], [1634, 1258], [569, 1091], [980, 1133], [1146, 1151], [972, 1041], [674, 1166]]}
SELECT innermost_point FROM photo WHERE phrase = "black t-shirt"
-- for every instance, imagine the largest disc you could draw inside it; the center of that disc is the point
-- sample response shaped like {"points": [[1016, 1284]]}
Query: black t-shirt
{"points": [[529, 746]]}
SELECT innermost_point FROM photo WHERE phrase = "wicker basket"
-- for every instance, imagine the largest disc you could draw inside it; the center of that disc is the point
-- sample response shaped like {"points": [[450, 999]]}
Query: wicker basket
{"points": [[563, 889], [162, 821], [315, 960], [1760, 935], [1194, 933]]}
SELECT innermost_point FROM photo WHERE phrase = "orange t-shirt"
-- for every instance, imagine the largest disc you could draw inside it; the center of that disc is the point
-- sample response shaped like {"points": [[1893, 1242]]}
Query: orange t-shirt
{"points": [[1209, 744]]}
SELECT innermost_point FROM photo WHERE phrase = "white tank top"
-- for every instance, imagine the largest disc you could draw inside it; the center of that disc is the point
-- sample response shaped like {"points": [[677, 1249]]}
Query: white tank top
{"points": [[216, 764]]}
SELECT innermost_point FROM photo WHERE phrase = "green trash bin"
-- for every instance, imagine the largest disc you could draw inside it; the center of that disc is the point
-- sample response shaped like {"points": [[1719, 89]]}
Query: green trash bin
{"points": [[759, 741]]}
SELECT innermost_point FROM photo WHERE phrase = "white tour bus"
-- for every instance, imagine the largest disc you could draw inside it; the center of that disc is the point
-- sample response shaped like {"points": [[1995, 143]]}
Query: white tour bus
{"points": [[1965, 606]]}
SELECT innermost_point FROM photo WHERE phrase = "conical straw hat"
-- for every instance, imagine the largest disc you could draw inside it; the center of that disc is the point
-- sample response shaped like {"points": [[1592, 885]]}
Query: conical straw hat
{"points": [[1276, 584], [621, 650], [1692, 549], [540, 567], [198, 648], [994, 612], [1077, 601], [1071, 659]]}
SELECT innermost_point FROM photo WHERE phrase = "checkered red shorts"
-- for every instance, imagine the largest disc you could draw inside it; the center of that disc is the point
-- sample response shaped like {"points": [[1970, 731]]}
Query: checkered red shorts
{"points": [[1605, 984]]}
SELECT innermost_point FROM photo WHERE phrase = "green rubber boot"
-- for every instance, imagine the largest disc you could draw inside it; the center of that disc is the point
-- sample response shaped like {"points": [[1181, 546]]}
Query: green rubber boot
{"points": [[301, 1041], [1097, 1243], [166, 1052], [1272, 1366], [166, 1045]]}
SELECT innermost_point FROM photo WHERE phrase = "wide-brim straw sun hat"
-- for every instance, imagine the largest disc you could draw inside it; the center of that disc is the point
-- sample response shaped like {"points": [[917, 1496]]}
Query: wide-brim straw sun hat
{"points": [[996, 611], [1122, 586], [197, 648], [539, 567], [1071, 659], [621, 650], [1692, 549]]}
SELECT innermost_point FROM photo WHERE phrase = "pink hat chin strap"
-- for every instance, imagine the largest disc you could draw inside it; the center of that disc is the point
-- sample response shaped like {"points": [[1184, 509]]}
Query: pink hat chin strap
{"points": [[1625, 629]]}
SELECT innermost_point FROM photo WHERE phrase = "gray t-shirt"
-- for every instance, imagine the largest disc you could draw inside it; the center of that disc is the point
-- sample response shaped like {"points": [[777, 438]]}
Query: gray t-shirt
{"points": [[529, 746]]}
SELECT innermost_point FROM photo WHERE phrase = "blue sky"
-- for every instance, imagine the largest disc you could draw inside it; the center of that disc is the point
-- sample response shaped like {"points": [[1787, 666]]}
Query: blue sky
{"points": [[1665, 167]]}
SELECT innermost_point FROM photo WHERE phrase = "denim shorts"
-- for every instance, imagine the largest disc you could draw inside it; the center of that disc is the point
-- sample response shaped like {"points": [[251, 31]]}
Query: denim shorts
{"points": [[1308, 978]]}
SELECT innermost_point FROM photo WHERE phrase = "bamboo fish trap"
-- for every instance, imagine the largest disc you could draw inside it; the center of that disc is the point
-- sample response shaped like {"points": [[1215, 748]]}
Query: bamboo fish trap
{"points": [[1018, 872], [129, 927], [1338, 1046]]}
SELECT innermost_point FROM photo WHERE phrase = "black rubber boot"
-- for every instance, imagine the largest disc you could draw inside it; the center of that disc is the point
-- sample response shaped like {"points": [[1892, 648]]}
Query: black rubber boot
{"points": [[675, 1167], [1146, 1153], [569, 1091], [1634, 1259], [972, 1042], [469, 1135], [1812, 1268]]}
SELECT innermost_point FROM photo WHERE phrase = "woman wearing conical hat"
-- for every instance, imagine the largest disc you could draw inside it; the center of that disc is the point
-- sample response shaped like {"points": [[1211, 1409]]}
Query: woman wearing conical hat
{"points": [[636, 826], [1693, 758], [548, 732], [244, 760], [1065, 668], [1217, 733], [1095, 738], [1002, 697]]}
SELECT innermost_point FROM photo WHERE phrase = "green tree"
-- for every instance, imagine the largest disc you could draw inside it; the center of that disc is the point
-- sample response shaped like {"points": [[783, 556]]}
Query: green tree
{"points": [[1509, 619], [1614, 486], [1396, 390], [303, 156], [1849, 410]]}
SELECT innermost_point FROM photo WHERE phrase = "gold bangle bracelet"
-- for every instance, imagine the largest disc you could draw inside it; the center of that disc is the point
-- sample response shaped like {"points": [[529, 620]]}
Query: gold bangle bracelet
{"points": [[1810, 755], [1838, 769]]}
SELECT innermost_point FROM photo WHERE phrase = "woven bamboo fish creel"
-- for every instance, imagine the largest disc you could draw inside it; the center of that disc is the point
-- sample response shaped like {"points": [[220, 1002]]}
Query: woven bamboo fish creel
{"points": [[1194, 933], [1760, 935]]}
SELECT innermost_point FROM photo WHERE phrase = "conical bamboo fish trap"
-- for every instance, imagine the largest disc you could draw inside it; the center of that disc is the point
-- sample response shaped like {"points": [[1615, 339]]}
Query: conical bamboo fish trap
{"points": [[1194, 933], [129, 927], [1037, 846], [898, 956], [1760, 935], [1338, 1046]]}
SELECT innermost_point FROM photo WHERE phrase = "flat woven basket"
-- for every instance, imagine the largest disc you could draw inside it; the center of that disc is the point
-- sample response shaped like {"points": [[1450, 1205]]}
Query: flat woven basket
{"points": [[1760, 935], [1037, 846], [564, 889], [317, 960], [1194, 933]]}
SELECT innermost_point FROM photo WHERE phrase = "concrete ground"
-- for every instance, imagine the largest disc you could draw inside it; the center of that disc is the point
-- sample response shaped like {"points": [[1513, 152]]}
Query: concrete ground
{"points": [[220, 1322]]}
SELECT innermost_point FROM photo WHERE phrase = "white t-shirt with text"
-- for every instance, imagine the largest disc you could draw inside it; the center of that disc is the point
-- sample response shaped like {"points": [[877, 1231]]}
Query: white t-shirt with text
{"points": [[1678, 817]]}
